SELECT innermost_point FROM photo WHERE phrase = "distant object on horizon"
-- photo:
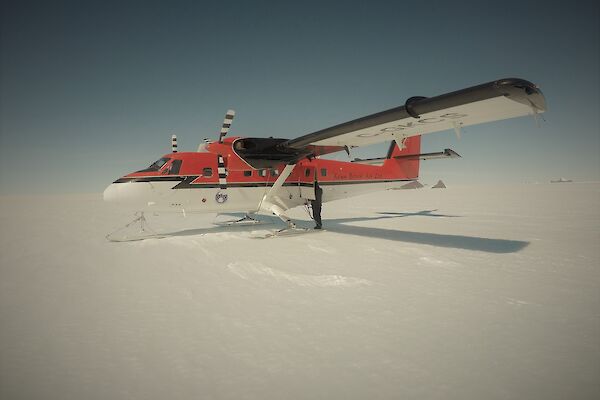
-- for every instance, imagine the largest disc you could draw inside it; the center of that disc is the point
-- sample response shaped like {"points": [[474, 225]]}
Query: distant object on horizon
{"points": [[561, 180], [411, 185], [439, 185]]}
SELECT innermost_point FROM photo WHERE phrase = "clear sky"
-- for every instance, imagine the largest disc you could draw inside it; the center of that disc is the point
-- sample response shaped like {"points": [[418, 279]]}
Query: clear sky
{"points": [[93, 90]]}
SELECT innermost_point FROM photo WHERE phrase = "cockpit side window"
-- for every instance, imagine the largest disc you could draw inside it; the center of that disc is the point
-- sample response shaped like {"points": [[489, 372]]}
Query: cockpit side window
{"points": [[175, 167], [155, 166]]}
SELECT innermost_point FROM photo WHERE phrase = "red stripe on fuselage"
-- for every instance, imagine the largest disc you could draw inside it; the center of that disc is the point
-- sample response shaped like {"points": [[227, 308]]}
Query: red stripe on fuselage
{"points": [[327, 171]]}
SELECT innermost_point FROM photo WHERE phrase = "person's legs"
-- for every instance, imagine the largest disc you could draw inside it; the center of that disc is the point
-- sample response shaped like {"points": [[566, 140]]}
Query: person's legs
{"points": [[316, 205], [316, 209]]}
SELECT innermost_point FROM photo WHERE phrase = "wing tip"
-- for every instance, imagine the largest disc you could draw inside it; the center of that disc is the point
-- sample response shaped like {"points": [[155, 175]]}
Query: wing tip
{"points": [[522, 90]]}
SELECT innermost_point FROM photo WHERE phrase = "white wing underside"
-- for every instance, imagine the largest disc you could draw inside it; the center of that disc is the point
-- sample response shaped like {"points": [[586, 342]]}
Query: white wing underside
{"points": [[493, 109]]}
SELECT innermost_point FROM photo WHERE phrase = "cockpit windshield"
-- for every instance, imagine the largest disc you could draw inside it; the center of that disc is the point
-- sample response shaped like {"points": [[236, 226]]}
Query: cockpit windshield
{"points": [[155, 166]]}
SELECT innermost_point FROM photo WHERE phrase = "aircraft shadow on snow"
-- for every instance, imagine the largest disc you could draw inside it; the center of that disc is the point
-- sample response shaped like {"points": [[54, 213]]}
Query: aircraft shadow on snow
{"points": [[341, 225]]}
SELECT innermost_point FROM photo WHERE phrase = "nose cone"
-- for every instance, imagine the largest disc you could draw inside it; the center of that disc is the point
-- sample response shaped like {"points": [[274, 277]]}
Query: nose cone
{"points": [[111, 193], [133, 195]]}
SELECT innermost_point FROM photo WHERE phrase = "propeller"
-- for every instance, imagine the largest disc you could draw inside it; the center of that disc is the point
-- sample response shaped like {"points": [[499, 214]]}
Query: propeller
{"points": [[174, 144], [226, 124]]}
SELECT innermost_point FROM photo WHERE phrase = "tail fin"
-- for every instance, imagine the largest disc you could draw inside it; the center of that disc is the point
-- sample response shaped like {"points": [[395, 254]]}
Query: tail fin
{"points": [[404, 168]]}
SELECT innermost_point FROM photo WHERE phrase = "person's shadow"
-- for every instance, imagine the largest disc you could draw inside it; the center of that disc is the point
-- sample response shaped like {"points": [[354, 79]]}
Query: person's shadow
{"points": [[343, 226]]}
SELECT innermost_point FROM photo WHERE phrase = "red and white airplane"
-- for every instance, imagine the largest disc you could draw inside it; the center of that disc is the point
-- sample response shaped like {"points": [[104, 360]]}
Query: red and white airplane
{"points": [[272, 175]]}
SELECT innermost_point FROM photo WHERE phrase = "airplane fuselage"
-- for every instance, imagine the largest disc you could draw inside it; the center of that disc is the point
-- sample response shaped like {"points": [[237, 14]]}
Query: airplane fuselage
{"points": [[193, 182]]}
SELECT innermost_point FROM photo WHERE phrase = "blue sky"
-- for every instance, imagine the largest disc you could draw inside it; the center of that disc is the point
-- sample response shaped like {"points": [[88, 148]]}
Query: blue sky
{"points": [[92, 90]]}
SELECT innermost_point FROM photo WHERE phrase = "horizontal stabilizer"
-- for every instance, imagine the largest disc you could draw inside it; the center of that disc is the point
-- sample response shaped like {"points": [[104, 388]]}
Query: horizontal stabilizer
{"points": [[447, 153], [369, 161]]}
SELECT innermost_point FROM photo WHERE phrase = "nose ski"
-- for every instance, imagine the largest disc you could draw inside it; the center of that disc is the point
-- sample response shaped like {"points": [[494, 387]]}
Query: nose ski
{"points": [[134, 231]]}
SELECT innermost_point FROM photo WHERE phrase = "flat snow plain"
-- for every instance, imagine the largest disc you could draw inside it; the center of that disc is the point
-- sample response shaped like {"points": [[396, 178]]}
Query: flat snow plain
{"points": [[460, 293]]}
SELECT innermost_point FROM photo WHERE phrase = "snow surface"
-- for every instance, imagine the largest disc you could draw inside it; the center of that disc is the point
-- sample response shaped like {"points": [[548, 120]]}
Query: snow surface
{"points": [[460, 293]]}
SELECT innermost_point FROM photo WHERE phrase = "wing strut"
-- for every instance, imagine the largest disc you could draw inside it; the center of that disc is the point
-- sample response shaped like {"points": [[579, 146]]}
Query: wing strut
{"points": [[271, 201]]}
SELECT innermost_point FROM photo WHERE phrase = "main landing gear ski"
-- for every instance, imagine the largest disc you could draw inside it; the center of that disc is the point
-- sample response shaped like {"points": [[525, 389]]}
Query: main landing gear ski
{"points": [[247, 220], [285, 232]]}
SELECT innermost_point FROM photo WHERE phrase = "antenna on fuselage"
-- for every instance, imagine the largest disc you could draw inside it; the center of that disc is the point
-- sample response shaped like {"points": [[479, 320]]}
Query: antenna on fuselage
{"points": [[174, 144], [226, 124]]}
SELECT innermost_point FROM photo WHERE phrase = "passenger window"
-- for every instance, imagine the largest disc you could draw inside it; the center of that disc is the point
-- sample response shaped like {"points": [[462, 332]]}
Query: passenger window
{"points": [[274, 172], [262, 172], [323, 171], [207, 172], [247, 173], [307, 172]]}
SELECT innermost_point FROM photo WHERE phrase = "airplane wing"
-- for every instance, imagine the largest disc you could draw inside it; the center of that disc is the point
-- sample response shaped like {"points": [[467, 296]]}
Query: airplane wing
{"points": [[492, 101]]}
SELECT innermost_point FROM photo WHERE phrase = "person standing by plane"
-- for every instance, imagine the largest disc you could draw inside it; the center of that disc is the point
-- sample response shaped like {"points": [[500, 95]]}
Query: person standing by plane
{"points": [[316, 205]]}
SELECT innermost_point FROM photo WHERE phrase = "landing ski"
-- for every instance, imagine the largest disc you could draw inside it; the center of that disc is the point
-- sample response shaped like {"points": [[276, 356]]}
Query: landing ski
{"points": [[242, 223], [134, 238], [134, 231], [246, 220], [283, 233]]}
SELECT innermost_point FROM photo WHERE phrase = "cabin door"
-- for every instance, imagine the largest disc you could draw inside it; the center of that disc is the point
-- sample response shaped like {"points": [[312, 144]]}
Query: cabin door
{"points": [[306, 182]]}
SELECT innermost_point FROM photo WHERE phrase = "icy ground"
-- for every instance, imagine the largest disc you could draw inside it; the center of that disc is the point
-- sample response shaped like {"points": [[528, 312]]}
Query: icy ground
{"points": [[458, 293]]}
